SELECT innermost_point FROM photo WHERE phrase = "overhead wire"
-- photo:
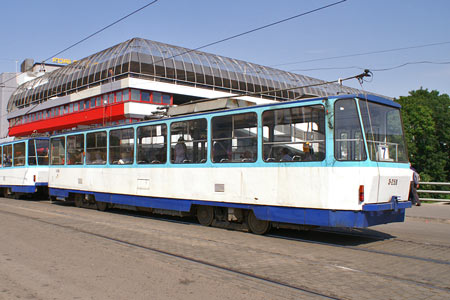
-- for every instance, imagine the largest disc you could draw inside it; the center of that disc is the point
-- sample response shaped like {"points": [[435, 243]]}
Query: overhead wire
{"points": [[89, 36], [363, 53], [360, 77], [374, 69], [253, 30]]}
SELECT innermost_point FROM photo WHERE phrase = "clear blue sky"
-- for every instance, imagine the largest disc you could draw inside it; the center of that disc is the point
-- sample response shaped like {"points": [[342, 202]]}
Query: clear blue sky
{"points": [[39, 29]]}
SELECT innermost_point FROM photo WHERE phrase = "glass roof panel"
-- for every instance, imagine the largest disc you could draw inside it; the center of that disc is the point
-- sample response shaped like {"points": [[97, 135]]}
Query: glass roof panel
{"points": [[176, 63]]}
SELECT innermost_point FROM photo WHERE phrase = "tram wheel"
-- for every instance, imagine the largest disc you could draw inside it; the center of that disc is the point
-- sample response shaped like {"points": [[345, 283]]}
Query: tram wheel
{"points": [[78, 199], [255, 225], [101, 206], [205, 215]]}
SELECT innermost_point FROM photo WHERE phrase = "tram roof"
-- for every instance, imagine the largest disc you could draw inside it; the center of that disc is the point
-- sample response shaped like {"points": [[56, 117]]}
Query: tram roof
{"points": [[157, 61]]}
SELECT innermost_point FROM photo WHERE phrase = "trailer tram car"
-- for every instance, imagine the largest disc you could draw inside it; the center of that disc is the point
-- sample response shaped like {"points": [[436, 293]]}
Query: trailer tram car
{"points": [[24, 167], [337, 162]]}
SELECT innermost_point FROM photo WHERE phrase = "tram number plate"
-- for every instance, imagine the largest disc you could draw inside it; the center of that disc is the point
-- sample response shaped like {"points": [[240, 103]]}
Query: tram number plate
{"points": [[392, 181]]}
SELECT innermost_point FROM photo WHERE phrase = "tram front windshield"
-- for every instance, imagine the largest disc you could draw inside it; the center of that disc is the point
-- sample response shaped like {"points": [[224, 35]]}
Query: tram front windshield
{"points": [[384, 132]]}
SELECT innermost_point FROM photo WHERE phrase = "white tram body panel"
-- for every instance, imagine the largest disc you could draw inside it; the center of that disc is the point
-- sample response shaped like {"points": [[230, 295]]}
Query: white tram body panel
{"points": [[23, 176], [335, 188]]}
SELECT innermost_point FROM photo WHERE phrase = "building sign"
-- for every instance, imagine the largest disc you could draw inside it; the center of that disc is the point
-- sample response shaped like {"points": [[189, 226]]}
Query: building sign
{"points": [[62, 61]]}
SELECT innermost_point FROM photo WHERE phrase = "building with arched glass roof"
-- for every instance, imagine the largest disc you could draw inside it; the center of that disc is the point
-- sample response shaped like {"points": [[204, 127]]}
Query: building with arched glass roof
{"points": [[129, 81]]}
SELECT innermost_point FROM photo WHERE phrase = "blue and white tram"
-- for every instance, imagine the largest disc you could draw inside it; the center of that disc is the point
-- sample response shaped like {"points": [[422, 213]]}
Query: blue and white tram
{"points": [[337, 162], [24, 167]]}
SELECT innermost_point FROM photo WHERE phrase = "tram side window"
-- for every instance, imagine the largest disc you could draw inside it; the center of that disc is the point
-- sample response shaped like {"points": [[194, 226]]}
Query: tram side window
{"points": [[121, 146], [348, 138], [32, 161], [19, 154], [152, 144], [7, 156], [75, 149], [1, 156], [57, 148], [234, 138], [294, 134], [188, 141], [96, 148], [42, 151]]}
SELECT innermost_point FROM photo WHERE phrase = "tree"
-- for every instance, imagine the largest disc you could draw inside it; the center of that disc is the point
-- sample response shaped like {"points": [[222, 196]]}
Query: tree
{"points": [[426, 119]]}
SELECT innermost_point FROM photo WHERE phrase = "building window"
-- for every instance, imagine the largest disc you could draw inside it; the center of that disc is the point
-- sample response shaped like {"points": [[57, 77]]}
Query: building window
{"points": [[135, 95], [126, 95], [166, 99], [111, 98], [156, 98], [119, 96], [145, 96]]}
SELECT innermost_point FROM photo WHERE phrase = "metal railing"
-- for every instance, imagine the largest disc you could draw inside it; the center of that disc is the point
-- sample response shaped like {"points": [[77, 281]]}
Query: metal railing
{"points": [[435, 191]]}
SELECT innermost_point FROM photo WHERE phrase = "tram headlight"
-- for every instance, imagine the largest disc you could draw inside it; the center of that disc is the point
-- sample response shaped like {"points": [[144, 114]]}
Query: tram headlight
{"points": [[361, 193]]}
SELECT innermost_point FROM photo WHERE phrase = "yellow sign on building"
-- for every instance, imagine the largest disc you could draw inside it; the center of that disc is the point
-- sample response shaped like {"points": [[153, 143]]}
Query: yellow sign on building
{"points": [[62, 61]]}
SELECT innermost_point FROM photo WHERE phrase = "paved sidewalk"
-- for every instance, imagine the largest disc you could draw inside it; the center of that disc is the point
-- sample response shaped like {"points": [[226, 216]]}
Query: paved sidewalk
{"points": [[432, 211]]}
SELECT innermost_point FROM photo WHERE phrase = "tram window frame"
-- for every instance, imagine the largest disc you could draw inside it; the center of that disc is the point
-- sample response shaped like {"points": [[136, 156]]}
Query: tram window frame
{"points": [[75, 149], [19, 160], [57, 151], [96, 148], [32, 160], [225, 142], [42, 157], [355, 128], [189, 141], [305, 139], [7, 156], [125, 153], [384, 132], [151, 144]]}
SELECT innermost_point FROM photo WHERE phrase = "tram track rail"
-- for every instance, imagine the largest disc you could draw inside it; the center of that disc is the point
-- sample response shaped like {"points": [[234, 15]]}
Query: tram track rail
{"points": [[304, 290], [436, 261], [255, 276]]}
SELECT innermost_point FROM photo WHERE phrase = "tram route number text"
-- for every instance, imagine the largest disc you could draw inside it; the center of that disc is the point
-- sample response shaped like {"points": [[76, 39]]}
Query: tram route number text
{"points": [[392, 181]]}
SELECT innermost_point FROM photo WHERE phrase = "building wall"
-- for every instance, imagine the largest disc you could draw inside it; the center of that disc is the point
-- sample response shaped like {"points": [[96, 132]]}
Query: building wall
{"points": [[6, 89]]}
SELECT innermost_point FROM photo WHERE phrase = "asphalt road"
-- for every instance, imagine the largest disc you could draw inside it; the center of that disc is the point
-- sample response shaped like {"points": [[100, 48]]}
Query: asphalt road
{"points": [[53, 251]]}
